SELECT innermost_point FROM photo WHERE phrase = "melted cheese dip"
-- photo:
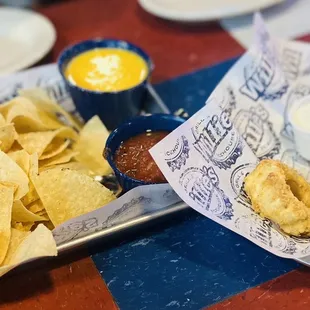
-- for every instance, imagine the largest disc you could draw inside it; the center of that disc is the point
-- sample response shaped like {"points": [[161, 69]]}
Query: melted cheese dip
{"points": [[106, 69]]}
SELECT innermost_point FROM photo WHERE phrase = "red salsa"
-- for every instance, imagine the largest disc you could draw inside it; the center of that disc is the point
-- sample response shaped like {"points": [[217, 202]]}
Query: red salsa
{"points": [[133, 159]]}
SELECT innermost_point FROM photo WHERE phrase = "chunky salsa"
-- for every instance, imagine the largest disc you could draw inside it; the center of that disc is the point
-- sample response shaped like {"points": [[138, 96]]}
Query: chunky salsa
{"points": [[133, 159]]}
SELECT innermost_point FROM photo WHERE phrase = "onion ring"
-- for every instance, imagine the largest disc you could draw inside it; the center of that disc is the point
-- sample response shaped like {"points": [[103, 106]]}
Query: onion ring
{"points": [[279, 193]]}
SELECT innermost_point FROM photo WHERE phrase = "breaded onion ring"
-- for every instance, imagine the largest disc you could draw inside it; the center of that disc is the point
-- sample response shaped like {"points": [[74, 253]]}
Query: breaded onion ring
{"points": [[280, 194]]}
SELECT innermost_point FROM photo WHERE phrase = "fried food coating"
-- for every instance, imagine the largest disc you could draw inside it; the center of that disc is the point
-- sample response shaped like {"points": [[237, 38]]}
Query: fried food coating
{"points": [[279, 193]]}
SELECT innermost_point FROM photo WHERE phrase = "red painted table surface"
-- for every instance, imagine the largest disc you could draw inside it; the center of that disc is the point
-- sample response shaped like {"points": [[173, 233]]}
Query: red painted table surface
{"points": [[73, 282]]}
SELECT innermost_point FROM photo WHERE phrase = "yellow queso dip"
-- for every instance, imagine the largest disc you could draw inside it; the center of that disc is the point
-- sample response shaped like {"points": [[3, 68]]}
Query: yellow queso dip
{"points": [[106, 69]]}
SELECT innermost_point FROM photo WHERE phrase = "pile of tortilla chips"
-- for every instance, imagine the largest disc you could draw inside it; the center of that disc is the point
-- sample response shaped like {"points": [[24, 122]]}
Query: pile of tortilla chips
{"points": [[47, 165]]}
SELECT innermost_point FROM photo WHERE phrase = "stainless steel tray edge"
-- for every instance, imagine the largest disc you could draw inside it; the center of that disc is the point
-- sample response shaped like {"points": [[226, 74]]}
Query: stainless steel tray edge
{"points": [[303, 260], [70, 245], [135, 222]]}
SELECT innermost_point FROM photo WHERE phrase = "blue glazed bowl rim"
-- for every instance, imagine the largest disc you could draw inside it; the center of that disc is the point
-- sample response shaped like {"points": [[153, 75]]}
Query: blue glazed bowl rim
{"points": [[63, 57], [110, 156]]}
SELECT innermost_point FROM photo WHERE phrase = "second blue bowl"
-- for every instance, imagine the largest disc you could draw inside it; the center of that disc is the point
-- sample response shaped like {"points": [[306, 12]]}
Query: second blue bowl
{"points": [[137, 125], [112, 107]]}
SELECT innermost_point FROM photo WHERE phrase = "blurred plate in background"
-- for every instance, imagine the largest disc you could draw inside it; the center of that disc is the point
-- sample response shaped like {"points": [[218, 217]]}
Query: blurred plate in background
{"points": [[203, 10], [25, 38]]}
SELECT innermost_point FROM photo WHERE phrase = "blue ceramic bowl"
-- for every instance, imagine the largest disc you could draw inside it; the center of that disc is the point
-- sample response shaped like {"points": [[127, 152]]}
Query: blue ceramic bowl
{"points": [[135, 126], [112, 107]]}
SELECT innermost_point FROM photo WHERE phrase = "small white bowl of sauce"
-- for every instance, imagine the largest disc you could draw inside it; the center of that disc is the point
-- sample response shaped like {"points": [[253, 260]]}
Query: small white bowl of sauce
{"points": [[299, 117]]}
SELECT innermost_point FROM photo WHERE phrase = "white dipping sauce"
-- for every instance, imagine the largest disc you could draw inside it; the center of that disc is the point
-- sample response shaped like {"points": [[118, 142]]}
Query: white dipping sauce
{"points": [[301, 117]]}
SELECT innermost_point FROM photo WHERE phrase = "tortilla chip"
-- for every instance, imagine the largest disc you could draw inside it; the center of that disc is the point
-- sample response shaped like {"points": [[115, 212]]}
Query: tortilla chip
{"points": [[90, 146], [17, 237], [43, 214], [10, 171], [2, 120], [4, 107], [24, 114], [7, 137], [33, 164], [73, 165], [36, 207], [37, 142], [40, 243], [15, 147], [29, 117], [22, 226], [6, 202], [22, 159], [61, 158], [67, 194], [49, 225], [21, 214], [9, 184], [32, 194], [57, 146], [41, 99]]}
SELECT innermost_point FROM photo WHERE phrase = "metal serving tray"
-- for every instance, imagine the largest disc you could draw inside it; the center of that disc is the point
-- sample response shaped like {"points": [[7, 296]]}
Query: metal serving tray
{"points": [[153, 104]]}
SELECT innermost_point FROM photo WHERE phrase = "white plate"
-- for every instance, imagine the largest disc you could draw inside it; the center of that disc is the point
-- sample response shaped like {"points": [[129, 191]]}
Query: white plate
{"points": [[25, 38], [203, 10]]}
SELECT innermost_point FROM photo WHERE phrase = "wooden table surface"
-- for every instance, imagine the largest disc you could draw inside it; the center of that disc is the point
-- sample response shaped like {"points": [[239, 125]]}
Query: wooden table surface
{"points": [[72, 281]]}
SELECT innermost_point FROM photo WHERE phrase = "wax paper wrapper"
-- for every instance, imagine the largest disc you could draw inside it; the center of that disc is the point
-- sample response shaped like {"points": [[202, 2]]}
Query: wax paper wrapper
{"points": [[245, 120], [137, 202]]}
